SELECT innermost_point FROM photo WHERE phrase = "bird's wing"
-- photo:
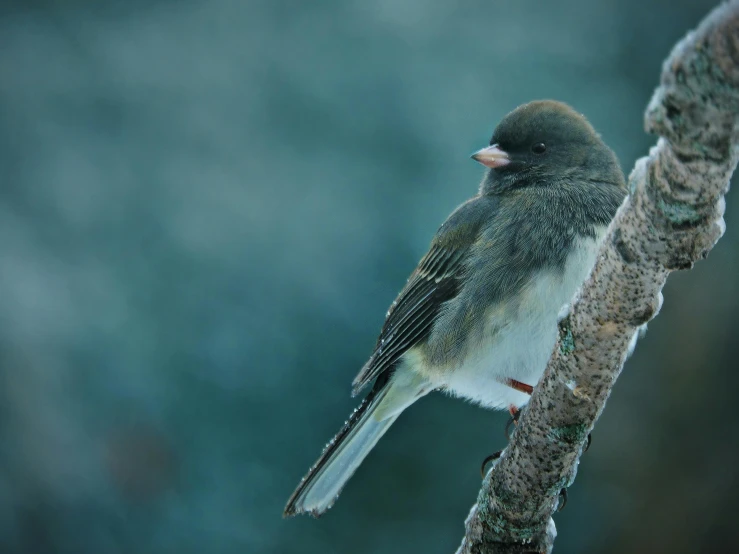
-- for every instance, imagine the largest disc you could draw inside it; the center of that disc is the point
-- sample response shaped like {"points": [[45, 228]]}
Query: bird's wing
{"points": [[436, 280]]}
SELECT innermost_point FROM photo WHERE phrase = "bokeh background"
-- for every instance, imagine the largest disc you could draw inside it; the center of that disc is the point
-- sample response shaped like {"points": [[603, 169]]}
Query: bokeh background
{"points": [[206, 208]]}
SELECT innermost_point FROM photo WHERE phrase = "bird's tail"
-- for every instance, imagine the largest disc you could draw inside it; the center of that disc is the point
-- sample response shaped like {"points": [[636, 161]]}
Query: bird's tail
{"points": [[319, 489]]}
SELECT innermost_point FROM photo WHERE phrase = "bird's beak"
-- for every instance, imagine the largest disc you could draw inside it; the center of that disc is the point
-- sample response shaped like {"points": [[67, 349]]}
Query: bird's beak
{"points": [[491, 156]]}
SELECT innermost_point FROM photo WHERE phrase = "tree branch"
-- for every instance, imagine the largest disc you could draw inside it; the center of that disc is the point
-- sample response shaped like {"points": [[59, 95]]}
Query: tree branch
{"points": [[672, 217]]}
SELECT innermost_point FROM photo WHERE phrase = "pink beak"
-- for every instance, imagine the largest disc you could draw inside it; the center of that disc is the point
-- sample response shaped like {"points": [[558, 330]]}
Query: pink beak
{"points": [[491, 156]]}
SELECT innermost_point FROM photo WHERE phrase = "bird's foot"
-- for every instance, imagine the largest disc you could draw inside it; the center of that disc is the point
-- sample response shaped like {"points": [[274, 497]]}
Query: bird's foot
{"points": [[513, 420]]}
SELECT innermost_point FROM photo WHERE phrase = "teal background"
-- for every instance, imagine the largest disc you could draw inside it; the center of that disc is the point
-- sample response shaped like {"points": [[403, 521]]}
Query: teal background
{"points": [[206, 209]]}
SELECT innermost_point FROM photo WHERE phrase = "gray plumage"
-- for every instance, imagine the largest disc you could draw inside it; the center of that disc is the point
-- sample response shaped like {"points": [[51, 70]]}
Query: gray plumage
{"points": [[480, 309]]}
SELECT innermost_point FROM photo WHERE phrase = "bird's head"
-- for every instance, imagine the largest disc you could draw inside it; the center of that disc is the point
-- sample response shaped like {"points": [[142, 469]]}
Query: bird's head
{"points": [[544, 143]]}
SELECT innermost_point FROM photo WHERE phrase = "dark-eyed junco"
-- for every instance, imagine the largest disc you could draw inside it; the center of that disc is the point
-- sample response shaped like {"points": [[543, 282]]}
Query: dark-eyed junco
{"points": [[477, 318]]}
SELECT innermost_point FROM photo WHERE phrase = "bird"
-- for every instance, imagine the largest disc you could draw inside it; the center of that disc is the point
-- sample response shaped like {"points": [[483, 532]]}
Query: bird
{"points": [[477, 318]]}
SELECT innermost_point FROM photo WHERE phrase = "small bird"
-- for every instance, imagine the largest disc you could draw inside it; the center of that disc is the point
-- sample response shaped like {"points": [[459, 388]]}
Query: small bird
{"points": [[478, 316]]}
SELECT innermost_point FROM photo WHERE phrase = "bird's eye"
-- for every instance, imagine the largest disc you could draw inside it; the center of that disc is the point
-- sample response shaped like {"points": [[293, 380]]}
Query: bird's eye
{"points": [[539, 148]]}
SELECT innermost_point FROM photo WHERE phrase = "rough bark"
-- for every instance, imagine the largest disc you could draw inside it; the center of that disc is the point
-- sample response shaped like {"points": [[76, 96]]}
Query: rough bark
{"points": [[672, 218]]}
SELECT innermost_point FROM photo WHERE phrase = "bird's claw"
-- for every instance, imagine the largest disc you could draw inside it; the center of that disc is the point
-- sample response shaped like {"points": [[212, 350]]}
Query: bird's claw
{"points": [[489, 459], [563, 493], [562, 500]]}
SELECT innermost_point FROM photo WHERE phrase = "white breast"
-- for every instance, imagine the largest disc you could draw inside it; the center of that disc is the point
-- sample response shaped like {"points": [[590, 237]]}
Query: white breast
{"points": [[521, 350]]}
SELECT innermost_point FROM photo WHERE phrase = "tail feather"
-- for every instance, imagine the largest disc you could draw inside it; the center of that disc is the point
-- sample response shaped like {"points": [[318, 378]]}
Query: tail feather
{"points": [[340, 459], [342, 456]]}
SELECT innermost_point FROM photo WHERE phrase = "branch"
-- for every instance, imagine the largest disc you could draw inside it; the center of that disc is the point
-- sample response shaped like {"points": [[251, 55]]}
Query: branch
{"points": [[672, 217]]}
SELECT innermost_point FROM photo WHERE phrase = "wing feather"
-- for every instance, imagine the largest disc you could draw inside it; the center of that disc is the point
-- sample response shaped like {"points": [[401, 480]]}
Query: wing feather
{"points": [[436, 280]]}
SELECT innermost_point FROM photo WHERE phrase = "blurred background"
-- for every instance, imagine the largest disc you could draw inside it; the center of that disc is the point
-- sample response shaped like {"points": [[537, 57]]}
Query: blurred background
{"points": [[206, 209]]}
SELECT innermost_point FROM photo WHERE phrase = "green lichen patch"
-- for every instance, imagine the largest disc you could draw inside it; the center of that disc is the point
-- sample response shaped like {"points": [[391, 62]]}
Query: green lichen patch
{"points": [[574, 433], [679, 214], [566, 339]]}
